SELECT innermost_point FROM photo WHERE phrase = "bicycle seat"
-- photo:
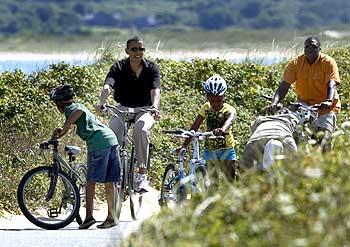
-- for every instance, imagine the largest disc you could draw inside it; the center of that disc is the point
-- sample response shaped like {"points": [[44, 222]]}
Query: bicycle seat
{"points": [[72, 150]]}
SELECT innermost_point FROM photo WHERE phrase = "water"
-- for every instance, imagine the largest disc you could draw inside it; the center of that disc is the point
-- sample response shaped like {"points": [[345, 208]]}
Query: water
{"points": [[30, 63], [29, 67]]}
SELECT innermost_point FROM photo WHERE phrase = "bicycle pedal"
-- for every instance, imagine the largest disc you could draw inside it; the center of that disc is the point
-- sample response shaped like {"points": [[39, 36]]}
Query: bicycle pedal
{"points": [[53, 212]]}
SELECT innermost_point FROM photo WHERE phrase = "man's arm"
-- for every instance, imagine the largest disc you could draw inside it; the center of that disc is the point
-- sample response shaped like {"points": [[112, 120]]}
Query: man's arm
{"points": [[327, 104], [105, 92], [332, 85], [155, 98], [281, 92], [59, 132]]}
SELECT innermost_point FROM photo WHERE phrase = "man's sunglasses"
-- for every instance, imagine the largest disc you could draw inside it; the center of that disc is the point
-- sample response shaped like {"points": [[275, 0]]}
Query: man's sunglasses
{"points": [[137, 48]]}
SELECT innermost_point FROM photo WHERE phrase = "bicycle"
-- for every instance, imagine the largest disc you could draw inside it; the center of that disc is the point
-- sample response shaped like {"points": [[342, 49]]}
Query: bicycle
{"points": [[303, 116], [50, 196], [174, 188], [127, 186]]}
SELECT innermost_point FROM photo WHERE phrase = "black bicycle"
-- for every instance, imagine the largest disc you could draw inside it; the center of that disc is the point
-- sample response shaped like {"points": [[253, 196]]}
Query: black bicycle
{"points": [[50, 196], [127, 187]]}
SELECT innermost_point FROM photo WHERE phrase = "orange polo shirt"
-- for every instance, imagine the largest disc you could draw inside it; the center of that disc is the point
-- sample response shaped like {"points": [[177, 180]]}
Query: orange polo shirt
{"points": [[311, 80]]}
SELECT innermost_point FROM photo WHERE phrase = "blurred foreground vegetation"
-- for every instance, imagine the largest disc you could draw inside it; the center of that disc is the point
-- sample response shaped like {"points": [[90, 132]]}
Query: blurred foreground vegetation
{"points": [[290, 203]]}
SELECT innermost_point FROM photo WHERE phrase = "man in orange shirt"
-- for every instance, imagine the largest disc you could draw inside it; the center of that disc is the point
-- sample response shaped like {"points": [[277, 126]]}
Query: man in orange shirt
{"points": [[316, 77]]}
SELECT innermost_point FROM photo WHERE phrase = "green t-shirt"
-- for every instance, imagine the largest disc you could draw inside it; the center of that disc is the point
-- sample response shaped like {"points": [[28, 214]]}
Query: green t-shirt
{"points": [[90, 129], [216, 119]]}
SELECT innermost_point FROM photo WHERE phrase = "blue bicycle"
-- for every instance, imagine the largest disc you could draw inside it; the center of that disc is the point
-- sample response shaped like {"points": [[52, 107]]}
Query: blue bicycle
{"points": [[179, 184]]}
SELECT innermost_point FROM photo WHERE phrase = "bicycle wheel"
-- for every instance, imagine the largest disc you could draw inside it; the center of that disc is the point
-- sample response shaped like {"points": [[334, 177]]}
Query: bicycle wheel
{"points": [[81, 184], [56, 213], [201, 182], [171, 191], [134, 197]]}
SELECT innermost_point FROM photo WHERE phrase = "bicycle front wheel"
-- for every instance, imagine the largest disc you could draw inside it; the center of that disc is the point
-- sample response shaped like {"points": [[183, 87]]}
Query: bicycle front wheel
{"points": [[201, 182], [171, 191], [134, 196], [51, 214]]}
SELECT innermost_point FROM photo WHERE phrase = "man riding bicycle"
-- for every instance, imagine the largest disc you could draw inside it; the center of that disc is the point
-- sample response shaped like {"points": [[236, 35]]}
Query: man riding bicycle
{"points": [[136, 84], [316, 77]]}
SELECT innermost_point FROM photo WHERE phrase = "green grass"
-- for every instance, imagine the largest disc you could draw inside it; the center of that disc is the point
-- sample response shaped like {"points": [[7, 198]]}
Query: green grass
{"points": [[170, 39]]}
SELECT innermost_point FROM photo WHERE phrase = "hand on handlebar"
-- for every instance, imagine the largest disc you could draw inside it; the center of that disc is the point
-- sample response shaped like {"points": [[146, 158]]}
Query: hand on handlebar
{"points": [[98, 109], [56, 133], [272, 108], [218, 132], [155, 113], [325, 105]]}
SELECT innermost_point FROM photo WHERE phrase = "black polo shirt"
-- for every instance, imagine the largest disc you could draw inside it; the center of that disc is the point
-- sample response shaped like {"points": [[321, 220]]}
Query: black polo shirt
{"points": [[129, 90]]}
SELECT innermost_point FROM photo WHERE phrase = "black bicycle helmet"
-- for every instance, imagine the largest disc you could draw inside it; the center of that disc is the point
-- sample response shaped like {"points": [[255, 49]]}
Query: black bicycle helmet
{"points": [[62, 92]]}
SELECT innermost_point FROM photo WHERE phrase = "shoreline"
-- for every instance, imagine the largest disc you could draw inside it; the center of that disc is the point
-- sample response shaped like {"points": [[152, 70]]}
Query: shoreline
{"points": [[228, 54], [30, 56]]}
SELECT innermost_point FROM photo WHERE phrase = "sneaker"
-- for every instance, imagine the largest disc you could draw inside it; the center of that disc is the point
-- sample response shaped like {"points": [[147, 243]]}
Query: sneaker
{"points": [[108, 223], [142, 183], [87, 223]]}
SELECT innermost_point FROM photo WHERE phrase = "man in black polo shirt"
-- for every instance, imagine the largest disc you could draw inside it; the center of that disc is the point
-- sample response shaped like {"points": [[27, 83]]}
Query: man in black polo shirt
{"points": [[136, 84]]}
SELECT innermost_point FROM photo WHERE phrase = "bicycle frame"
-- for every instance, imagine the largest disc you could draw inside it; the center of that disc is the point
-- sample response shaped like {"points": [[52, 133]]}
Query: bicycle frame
{"points": [[195, 160], [58, 163]]}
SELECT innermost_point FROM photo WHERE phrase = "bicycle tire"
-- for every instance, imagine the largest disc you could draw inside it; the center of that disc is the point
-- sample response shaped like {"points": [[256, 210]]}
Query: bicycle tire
{"points": [[135, 198], [170, 190], [121, 186], [31, 193], [81, 184], [201, 180]]}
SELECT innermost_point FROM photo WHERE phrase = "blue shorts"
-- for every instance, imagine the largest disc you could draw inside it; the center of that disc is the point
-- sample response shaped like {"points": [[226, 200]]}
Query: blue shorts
{"points": [[222, 154], [103, 165]]}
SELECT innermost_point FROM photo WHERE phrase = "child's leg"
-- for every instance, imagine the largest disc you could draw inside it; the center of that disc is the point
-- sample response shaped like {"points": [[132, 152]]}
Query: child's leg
{"points": [[90, 193], [229, 169], [213, 175], [110, 196]]}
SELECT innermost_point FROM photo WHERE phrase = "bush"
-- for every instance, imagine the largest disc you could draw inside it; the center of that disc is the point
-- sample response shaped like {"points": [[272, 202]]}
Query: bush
{"points": [[25, 107]]}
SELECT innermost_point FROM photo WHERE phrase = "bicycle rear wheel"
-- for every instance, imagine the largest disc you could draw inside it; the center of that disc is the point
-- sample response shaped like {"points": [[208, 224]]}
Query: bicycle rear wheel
{"points": [[56, 213], [171, 191], [81, 184]]}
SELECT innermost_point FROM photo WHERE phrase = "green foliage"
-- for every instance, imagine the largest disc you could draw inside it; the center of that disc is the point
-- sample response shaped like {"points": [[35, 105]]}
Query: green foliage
{"points": [[28, 117]]}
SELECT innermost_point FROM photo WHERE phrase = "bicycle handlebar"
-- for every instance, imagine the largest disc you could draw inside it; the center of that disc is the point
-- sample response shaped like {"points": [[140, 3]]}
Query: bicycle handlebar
{"points": [[46, 144], [129, 110], [192, 133]]}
